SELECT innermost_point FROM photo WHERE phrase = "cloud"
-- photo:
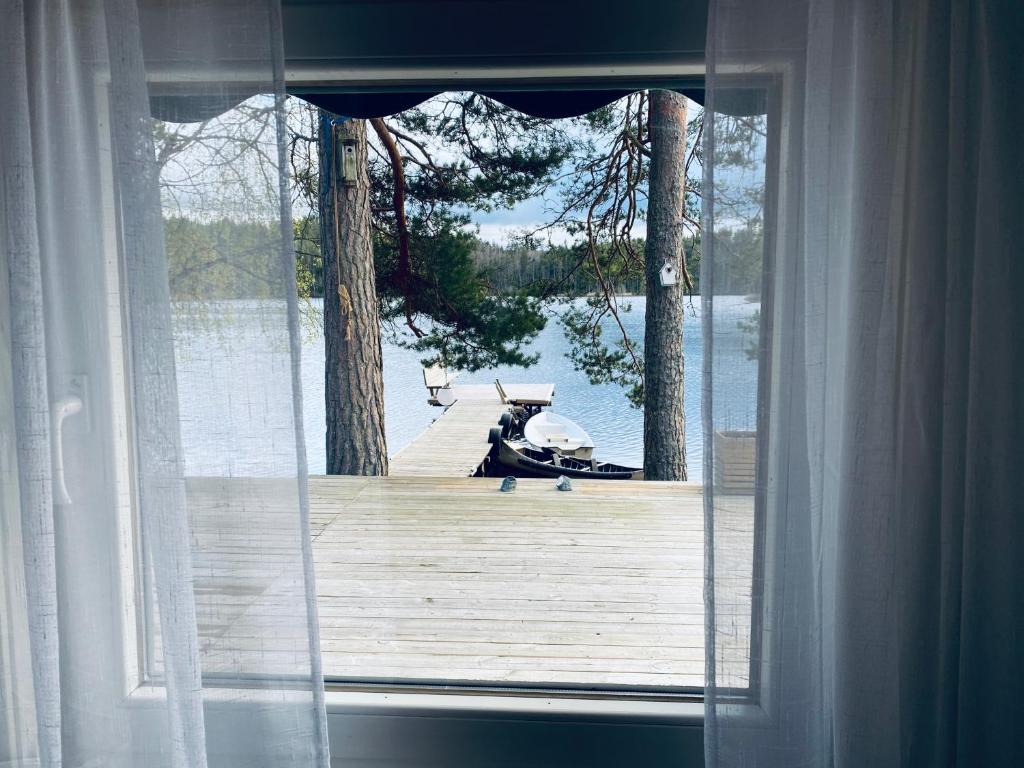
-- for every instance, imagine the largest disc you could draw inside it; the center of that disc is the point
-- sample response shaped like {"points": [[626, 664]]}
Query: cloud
{"points": [[503, 233]]}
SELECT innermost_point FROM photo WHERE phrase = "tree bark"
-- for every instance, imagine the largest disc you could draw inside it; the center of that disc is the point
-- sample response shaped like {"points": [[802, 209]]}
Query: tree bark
{"points": [[354, 385], [664, 417]]}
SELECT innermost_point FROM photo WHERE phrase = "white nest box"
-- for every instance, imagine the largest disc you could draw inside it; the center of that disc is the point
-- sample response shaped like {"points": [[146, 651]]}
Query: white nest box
{"points": [[668, 274]]}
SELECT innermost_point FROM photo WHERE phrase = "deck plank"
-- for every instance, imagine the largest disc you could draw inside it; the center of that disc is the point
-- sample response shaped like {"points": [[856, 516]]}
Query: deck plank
{"points": [[446, 578], [599, 586], [455, 444]]}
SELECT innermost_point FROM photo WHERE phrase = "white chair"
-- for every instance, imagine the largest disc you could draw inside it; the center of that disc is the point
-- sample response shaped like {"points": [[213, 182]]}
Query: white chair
{"points": [[436, 378]]}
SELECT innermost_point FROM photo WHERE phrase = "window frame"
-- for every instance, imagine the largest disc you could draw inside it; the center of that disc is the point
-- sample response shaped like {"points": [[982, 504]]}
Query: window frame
{"points": [[557, 713], [756, 706]]}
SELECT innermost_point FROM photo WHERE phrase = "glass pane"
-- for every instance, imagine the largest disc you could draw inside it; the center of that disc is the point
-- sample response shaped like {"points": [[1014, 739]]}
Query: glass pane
{"points": [[221, 207], [737, 328], [522, 294]]}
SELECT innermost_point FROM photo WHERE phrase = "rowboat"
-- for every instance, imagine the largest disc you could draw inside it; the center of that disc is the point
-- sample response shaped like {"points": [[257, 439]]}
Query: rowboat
{"points": [[521, 458], [551, 432]]}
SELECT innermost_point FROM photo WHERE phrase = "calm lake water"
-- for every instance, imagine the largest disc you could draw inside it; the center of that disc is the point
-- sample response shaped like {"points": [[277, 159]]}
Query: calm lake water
{"points": [[227, 434]]}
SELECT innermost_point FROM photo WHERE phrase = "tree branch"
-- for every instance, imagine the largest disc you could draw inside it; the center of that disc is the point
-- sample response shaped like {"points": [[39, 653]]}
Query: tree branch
{"points": [[398, 170]]}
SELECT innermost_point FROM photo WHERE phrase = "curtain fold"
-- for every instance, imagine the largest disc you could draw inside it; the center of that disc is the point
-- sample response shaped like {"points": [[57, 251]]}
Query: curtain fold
{"points": [[31, 704], [156, 577], [883, 625]]}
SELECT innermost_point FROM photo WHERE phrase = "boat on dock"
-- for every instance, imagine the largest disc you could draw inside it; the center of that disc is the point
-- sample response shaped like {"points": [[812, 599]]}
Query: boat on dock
{"points": [[549, 445], [551, 432], [517, 456]]}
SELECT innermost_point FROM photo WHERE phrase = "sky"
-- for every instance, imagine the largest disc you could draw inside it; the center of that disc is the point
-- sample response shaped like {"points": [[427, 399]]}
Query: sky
{"points": [[498, 226]]}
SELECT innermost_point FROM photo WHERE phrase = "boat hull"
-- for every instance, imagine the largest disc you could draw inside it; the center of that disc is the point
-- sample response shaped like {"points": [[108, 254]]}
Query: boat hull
{"points": [[517, 461]]}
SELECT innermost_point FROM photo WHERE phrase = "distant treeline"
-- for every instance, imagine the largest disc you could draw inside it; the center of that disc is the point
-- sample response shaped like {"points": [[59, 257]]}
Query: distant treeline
{"points": [[565, 270], [222, 260], [226, 259], [569, 270]]}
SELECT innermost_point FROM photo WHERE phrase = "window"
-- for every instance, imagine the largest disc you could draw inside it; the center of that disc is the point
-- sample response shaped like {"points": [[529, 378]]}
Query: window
{"points": [[397, 554], [430, 581]]}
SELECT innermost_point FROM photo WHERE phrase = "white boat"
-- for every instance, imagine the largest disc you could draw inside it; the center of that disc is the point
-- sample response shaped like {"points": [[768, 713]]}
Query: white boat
{"points": [[549, 431]]}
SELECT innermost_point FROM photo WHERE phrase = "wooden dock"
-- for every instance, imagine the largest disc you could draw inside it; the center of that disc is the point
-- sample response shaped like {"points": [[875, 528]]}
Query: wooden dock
{"points": [[455, 445], [448, 579]]}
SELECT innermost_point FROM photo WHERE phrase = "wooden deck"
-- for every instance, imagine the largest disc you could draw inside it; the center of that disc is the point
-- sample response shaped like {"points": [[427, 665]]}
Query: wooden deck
{"points": [[524, 394], [448, 579]]}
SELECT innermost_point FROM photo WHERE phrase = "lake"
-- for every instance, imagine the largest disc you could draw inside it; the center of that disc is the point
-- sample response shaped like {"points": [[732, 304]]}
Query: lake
{"points": [[227, 435]]}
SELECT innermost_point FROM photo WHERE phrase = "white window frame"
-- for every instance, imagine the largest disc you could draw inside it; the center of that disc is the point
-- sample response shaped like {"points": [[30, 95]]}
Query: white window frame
{"points": [[453, 727]]}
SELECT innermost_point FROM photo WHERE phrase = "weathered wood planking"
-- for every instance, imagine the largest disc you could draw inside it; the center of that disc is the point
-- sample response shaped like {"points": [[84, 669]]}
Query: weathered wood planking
{"points": [[534, 394], [448, 579], [455, 444]]}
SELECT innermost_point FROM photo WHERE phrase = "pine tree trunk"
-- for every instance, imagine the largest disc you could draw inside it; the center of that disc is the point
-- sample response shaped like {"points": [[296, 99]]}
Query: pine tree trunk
{"points": [[354, 386], [664, 417]]}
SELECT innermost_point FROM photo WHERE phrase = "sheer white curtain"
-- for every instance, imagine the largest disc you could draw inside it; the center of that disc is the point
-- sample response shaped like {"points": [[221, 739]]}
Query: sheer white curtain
{"points": [[157, 604], [883, 623]]}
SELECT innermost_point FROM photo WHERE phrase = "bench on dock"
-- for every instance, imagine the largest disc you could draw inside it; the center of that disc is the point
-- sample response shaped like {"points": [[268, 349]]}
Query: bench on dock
{"points": [[456, 444], [529, 396], [436, 378]]}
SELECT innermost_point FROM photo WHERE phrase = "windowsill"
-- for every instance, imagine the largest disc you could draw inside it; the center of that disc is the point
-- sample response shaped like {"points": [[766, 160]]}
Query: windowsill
{"points": [[470, 730], [465, 705], [688, 712]]}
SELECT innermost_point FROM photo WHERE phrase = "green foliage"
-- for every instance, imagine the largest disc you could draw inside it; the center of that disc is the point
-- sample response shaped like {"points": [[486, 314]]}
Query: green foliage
{"points": [[309, 262], [740, 256], [607, 192], [603, 201], [603, 363], [218, 260], [619, 361], [739, 204], [467, 151], [462, 153], [750, 327], [566, 271], [221, 259], [552, 271], [471, 327]]}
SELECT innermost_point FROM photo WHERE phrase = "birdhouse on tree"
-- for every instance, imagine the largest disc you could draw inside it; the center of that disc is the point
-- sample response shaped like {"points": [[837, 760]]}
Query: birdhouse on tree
{"points": [[668, 274]]}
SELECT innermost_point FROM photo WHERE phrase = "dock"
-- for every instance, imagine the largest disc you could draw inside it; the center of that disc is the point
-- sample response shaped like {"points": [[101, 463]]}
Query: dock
{"points": [[455, 445]]}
